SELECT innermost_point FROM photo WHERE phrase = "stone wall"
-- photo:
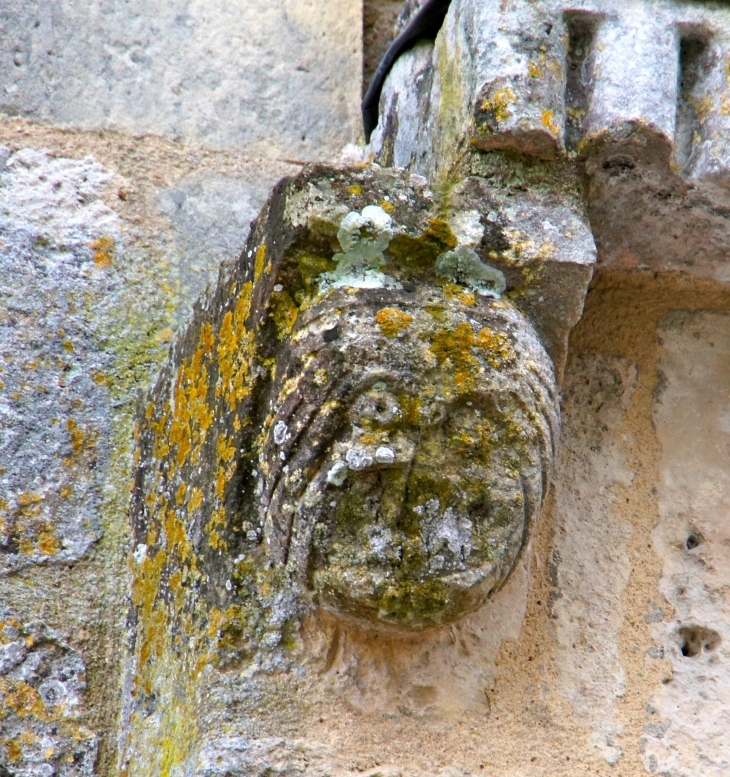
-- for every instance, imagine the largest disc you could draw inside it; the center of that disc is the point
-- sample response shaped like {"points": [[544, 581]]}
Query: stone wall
{"points": [[137, 143]]}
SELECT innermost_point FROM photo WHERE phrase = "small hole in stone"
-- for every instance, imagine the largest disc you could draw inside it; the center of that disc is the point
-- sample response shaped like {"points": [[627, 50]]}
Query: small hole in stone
{"points": [[696, 639], [694, 539]]}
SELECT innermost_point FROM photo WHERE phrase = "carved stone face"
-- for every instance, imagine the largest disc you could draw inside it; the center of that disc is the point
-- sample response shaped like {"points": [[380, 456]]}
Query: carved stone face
{"points": [[428, 452]]}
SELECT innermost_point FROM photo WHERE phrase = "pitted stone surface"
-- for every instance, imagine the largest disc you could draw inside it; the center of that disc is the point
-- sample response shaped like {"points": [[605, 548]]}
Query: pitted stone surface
{"points": [[686, 718], [42, 683], [54, 404], [349, 423]]}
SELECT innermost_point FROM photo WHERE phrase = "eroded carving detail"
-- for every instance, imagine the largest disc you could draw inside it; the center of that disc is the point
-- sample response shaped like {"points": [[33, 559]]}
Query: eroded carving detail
{"points": [[362, 418], [407, 480]]}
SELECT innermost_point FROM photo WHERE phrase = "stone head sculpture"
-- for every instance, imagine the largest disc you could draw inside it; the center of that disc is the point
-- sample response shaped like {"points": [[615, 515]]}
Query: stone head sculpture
{"points": [[361, 419], [409, 455]]}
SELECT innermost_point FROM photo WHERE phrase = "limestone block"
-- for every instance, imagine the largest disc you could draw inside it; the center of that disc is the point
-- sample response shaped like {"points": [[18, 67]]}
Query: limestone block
{"points": [[687, 717], [286, 75], [498, 81], [635, 71], [42, 683], [55, 405], [590, 563]]}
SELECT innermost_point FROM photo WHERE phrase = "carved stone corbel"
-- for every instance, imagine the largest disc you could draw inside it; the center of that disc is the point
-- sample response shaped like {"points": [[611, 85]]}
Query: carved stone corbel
{"points": [[362, 418]]}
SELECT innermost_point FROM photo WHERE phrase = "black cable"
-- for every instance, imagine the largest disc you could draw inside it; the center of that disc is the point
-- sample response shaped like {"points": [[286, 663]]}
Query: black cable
{"points": [[425, 24]]}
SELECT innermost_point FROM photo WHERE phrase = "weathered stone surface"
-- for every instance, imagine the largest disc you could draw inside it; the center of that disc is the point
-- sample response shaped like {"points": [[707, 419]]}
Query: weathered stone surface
{"points": [[685, 729], [54, 401], [355, 419], [590, 564], [42, 682], [189, 70], [638, 98], [589, 659]]}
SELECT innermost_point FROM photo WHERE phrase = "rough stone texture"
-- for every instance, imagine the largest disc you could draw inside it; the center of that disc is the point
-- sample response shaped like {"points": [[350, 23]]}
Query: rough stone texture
{"points": [[287, 453], [587, 607], [690, 714], [219, 73], [637, 98], [604, 652], [42, 683], [54, 402], [106, 240]]}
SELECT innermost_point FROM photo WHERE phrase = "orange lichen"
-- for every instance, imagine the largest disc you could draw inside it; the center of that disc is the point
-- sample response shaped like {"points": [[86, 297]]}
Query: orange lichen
{"points": [[28, 498], [392, 321], [236, 351], [453, 349], [259, 262], [548, 120], [24, 700], [498, 346], [104, 251], [48, 544], [77, 436], [192, 416], [284, 312], [499, 104]]}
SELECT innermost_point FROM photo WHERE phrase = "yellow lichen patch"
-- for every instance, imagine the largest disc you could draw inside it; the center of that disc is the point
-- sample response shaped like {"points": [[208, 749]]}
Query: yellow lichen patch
{"points": [[14, 750], [499, 104], [284, 313], [66, 491], [534, 70], [410, 410], [454, 291], [217, 521], [196, 500], [77, 436], [497, 345], [104, 251], [207, 338], [236, 351], [453, 349], [164, 335], [225, 448], [176, 536], [355, 190], [258, 266], [320, 378], [180, 496], [392, 321], [192, 416], [29, 498], [548, 120], [441, 231], [387, 206], [48, 544], [24, 700]]}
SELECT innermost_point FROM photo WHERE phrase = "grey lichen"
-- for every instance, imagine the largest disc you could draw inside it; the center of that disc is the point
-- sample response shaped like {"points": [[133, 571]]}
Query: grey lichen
{"points": [[363, 237], [463, 265]]}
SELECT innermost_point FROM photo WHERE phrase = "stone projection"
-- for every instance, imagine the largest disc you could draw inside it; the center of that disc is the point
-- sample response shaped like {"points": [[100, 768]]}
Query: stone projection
{"points": [[433, 479], [358, 421]]}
